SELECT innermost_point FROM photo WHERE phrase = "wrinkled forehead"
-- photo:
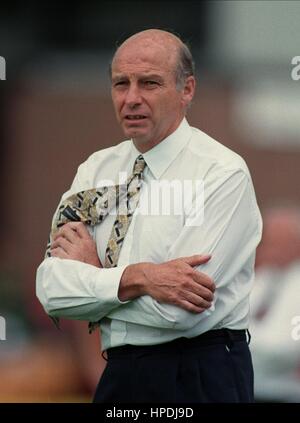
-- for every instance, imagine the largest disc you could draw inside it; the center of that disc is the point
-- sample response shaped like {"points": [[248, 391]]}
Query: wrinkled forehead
{"points": [[145, 50]]}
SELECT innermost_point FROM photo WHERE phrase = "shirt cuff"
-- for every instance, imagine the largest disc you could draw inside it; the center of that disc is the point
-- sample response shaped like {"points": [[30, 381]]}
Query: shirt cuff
{"points": [[107, 282]]}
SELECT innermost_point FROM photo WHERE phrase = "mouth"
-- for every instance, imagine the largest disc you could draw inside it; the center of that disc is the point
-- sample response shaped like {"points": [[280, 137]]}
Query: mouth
{"points": [[135, 117]]}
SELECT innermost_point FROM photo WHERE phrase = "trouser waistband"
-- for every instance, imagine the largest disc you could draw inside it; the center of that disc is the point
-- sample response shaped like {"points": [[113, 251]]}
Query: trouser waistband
{"points": [[218, 336]]}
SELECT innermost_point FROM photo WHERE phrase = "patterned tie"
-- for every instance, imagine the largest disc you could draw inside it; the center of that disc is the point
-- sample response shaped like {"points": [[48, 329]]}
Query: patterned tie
{"points": [[93, 205], [124, 216]]}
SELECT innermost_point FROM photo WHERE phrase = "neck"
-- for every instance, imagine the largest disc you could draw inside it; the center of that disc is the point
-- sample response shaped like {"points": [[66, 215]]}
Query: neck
{"points": [[143, 146]]}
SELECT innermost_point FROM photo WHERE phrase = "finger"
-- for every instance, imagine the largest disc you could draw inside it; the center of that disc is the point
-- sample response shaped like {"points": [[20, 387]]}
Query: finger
{"points": [[61, 243], [204, 280], [186, 305], [203, 292], [59, 252], [197, 300], [81, 230], [192, 290], [197, 259], [77, 227], [68, 233]]}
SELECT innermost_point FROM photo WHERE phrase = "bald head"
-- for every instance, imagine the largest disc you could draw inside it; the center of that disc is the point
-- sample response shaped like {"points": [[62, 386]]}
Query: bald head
{"points": [[163, 39], [154, 35], [176, 53]]}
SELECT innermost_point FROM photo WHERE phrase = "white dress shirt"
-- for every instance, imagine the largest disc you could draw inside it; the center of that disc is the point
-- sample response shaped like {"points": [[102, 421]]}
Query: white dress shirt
{"points": [[222, 220]]}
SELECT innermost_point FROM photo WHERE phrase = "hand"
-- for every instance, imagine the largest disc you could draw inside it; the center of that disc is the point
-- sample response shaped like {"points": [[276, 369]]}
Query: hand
{"points": [[174, 282], [74, 242]]}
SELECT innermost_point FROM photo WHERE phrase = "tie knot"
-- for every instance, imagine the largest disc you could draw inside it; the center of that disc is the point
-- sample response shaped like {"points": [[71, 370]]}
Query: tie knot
{"points": [[139, 165]]}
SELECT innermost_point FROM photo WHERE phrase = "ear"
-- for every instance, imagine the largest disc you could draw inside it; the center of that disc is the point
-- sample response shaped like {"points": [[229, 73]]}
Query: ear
{"points": [[188, 90]]}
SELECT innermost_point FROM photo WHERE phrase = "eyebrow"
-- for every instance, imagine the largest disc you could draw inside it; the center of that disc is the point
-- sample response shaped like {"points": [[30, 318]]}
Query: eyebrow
{"points": [[139, 77], [152, 76]]}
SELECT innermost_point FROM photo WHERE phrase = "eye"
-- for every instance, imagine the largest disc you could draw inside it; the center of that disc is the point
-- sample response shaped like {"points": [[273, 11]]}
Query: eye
{"points": [[119, 83], [150, 83]]}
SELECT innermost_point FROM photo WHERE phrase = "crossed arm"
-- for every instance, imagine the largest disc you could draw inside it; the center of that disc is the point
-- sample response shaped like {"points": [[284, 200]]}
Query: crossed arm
{"points": [[174, 282], [168, 295]]}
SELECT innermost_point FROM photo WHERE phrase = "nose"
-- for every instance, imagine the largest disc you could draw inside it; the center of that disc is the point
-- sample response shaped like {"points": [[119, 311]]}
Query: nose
{"points": [[133, 96]]}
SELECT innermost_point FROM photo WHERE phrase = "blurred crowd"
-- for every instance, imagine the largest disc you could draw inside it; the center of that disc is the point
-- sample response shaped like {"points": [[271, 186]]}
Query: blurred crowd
{"points": [[275, 305]]}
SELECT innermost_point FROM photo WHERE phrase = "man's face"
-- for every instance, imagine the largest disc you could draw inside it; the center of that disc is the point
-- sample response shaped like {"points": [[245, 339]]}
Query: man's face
{"points": [[147, 104]]}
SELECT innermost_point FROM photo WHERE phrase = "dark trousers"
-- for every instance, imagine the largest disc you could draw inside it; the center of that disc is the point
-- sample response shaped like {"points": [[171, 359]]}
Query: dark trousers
{"points": [[213, 367]]}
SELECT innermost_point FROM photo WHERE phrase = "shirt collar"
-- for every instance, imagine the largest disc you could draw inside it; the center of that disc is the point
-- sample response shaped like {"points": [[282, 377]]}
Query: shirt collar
{"points": [[160, 157]]}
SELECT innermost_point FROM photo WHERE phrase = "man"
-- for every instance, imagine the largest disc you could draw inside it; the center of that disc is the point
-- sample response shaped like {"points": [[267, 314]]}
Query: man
{"points": [[275, 311], [168, 336]]}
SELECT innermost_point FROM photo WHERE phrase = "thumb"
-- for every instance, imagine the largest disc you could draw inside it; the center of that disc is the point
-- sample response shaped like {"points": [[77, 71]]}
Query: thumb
{"points": [[196, 259]]}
